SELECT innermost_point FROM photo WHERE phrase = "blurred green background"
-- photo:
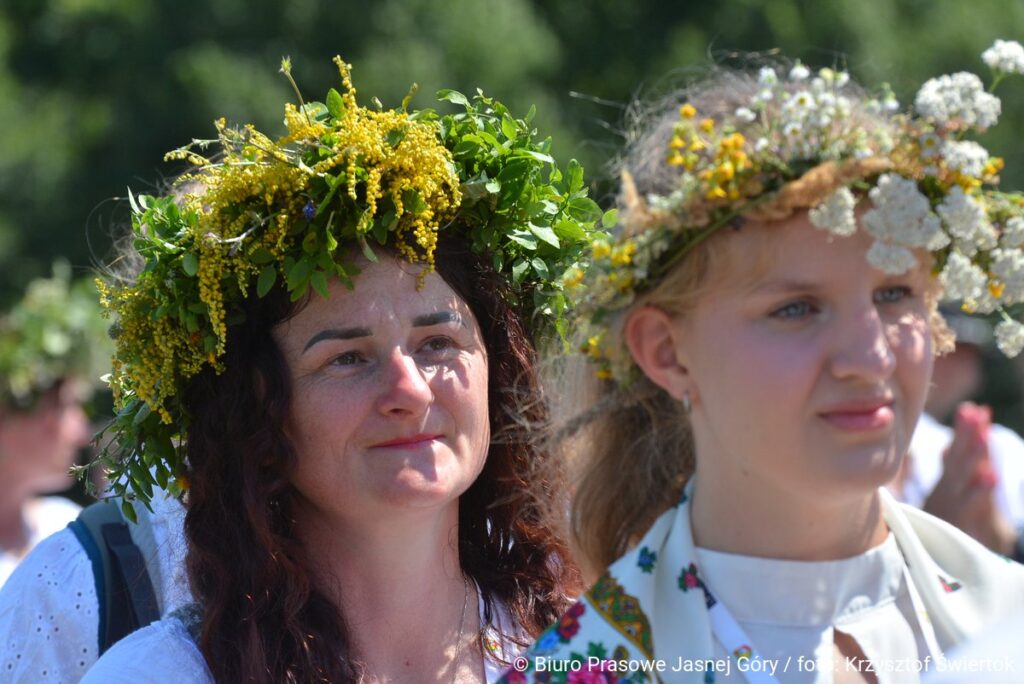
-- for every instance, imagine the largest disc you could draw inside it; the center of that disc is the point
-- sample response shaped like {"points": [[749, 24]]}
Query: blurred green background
{"points": [[93, 92]]}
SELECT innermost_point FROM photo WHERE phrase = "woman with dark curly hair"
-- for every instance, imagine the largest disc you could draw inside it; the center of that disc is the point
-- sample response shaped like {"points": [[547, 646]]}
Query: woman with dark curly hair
{"points": [[327, 352]]}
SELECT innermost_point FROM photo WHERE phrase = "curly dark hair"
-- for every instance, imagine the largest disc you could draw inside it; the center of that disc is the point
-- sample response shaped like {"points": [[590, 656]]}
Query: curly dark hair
{"points": [[264, 618]]}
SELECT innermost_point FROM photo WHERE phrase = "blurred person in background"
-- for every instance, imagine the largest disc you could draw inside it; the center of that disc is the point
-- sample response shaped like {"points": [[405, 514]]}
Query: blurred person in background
{"points": [[970, 474], [51, 355]]}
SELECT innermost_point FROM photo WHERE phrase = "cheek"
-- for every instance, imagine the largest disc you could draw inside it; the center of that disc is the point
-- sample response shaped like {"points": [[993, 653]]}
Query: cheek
{"points": [[914, 358]]}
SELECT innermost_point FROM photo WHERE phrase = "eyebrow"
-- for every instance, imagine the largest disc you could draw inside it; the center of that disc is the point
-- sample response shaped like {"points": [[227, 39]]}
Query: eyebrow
{"points": [[336, 334], [421, 321], [781, 286], [437, 318]]}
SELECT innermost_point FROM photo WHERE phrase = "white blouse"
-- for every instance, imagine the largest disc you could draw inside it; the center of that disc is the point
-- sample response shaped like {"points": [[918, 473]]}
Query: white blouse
{"points": [[165, 652], [790, 609]]}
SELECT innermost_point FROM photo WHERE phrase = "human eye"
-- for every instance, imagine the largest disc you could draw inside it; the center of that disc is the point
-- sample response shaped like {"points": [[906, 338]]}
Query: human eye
{"points": [[893, 294], [347, 359], [794, 310], [439, 345]]}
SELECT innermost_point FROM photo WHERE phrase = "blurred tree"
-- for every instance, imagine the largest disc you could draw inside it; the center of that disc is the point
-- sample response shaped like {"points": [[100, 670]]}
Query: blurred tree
{"points": [[93, 92]]}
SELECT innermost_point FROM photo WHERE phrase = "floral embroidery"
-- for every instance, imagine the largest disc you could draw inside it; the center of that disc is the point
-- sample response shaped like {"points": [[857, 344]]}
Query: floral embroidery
{"points": [[743, 652], [569, 623], [689, 579], [950, 587], [647, 560], [623, 612]]}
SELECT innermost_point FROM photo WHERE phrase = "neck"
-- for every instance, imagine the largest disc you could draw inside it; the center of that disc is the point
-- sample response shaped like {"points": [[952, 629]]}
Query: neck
{"points": [[12, 520], [401, 589], [758, 520]]}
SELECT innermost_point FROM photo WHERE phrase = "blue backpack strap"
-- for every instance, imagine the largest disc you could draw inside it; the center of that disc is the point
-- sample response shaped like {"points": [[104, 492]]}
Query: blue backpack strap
{"points": [[87, 527], [123, 588]]}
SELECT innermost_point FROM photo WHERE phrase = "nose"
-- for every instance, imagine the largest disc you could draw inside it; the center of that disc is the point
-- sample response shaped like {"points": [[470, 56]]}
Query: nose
{"points": [[406, 389], [863, 349]]}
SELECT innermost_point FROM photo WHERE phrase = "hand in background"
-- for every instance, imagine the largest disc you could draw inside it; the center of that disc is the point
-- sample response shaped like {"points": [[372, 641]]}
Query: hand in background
{"points": [[965, 495]]}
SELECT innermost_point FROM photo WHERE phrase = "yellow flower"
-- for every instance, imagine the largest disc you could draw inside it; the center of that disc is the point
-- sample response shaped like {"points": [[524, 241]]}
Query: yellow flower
{"points": [[687, 111], [601, 249], [996, 289], [574, 278], [707, 125]]}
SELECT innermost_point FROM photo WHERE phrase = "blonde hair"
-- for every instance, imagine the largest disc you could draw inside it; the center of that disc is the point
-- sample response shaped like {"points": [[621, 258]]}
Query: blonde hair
{"points": [[627, 446]]}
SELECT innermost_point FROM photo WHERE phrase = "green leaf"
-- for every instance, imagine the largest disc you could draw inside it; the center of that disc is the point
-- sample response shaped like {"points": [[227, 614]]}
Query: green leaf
{"points": [[610, 218], [190, 264], [519, 269], [319, 282], [509, 127], [527, 240], [395, 137], [268, 276], [141, 414], [261, 255], [574, 176], [493, 186], [585, 209], [545, 234], [310, 243], [453, 96], [128, 511], [367, 251], [298, 276], [570, 230], [541, 267], [335, 103]]}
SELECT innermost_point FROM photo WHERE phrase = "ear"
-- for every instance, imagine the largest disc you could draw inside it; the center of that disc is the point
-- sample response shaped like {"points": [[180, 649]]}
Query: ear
{"points": [[652, 340]]}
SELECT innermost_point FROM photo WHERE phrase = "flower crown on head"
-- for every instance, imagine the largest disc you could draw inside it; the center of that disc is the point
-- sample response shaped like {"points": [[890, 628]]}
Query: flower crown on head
{"points": [[809, 141], [292, 213], [54, 333]]}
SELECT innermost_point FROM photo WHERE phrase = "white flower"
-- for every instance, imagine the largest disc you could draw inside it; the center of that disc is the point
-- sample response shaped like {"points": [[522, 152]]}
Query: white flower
{"points": [[1010, 338], [799, 72], [930, 145], [745, 115], [802, 101], [891, 259], [792, 129], [958, 98], [767, 77], [902, 214], [835, 214], [967, 157], [890, 103], [1013, 233], [965, 218], [762, 144], [961, 279], [1008, 268], [1006, 56], [842, 78]]}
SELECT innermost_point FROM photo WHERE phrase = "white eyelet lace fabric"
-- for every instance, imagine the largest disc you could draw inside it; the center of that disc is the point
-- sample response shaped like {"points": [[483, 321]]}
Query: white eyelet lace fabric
{"points": [[48, 614]]}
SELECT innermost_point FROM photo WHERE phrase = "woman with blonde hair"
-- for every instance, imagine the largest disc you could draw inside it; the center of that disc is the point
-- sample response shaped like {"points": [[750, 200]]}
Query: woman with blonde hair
{"points": [[759, 339]]}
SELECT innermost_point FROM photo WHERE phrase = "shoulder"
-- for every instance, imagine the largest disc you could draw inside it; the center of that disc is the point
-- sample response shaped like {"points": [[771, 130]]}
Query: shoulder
{"points": [[164, 651], [48, 514], [585, 639], [965, 586], [48, 613]]}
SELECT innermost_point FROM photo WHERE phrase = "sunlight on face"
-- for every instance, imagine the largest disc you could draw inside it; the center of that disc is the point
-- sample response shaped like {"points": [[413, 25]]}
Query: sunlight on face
{"points": [[389, 408], [807, 368]]}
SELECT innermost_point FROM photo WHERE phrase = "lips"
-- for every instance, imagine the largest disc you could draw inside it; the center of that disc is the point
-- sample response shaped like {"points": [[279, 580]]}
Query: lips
{"points": [[411, 442], [861, 416]]}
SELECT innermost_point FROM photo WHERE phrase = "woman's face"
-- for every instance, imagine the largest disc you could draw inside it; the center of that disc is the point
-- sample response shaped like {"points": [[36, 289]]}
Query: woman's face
{"points": [[389, 406], [806, 368]]}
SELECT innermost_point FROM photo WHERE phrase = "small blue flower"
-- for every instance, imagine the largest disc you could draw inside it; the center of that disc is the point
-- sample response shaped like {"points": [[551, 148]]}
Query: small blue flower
{"points": [[309, 211], [647, 560], [547, 643]]}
